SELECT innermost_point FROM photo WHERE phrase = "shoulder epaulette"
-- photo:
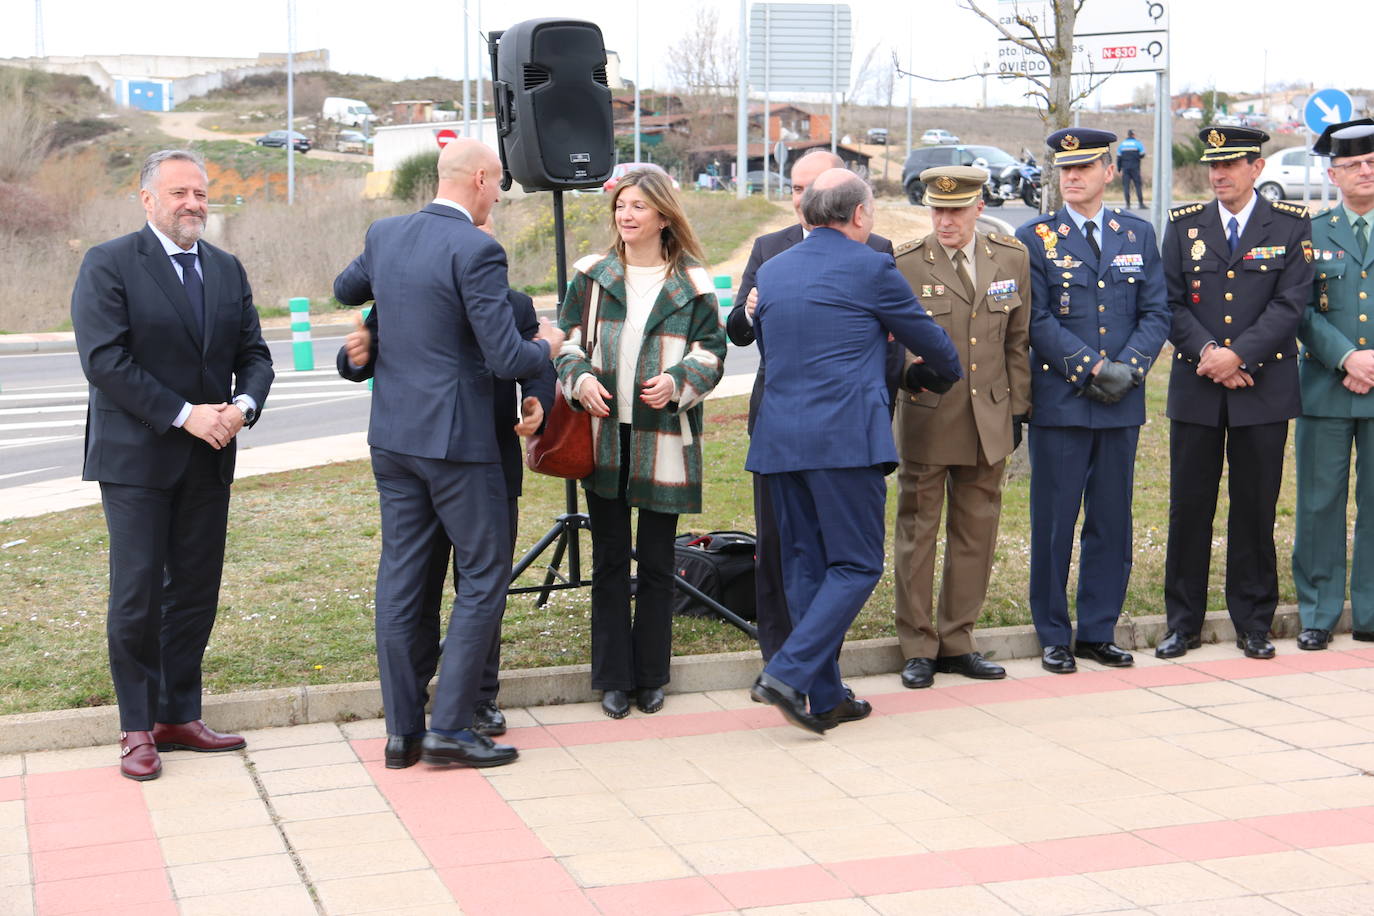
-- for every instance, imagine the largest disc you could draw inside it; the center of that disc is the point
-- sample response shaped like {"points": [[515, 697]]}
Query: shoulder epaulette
{"points": [[1010, 241], [1185, 210], [908, 246], [585, 264], [1284, 206], [1325, 213]]}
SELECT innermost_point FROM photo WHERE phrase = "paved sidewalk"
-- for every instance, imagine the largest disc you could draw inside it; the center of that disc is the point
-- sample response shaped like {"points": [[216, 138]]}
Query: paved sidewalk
{"points": [[1219, 785]]}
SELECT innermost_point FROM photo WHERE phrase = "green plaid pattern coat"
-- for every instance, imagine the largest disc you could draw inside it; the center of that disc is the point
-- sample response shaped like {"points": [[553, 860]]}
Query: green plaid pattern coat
{"points": [[683, 337]]}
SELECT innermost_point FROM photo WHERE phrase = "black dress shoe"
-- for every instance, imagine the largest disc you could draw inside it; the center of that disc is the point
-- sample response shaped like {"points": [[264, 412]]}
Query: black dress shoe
{"points": [[1058, 660], [615, 703], [1176, 644], [1104, 653], [918, 672], [970, 665], [849, 709], [1313, 639], [1255, 645], [791, 703], [649, 699], [477, 751], [1363, 635], [402, 751], [487, 719]]}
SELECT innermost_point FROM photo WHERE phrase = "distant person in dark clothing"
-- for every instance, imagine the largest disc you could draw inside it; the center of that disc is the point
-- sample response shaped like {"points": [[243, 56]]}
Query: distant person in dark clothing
{"points": [[1129, 152]]}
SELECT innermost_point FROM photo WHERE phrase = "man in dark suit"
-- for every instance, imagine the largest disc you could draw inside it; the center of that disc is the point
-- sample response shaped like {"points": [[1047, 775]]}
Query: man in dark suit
{"points": [[170, 343], [1098, 319], [441, 304], [774, 621], [1239, 271], [823, 435], [354, 363]]}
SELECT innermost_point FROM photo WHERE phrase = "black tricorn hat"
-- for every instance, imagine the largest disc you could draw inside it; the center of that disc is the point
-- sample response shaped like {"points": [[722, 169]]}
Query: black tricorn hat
{"points": [[1349, 138]]}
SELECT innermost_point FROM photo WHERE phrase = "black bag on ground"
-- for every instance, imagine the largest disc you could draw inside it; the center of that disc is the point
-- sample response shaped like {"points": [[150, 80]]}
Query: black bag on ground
{"points": [[721, 565]]}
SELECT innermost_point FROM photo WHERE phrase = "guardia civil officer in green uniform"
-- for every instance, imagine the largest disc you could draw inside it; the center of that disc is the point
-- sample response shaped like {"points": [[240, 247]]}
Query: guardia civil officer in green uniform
{"points": [[1099, 315], [1337, 375], [1239, 271]]}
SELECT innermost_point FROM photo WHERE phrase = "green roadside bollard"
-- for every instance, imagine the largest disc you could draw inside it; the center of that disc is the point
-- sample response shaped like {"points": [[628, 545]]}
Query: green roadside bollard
{"points": [[725, 293], [302, 350]]}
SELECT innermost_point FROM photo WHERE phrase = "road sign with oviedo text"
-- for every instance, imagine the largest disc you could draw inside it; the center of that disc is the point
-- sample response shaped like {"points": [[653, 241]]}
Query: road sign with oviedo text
{"points": [[1327, 107], [1109, 37]]}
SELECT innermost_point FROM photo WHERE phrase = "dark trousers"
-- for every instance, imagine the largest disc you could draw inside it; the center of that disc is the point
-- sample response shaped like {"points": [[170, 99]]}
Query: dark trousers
{"points": [[166, 559], [1254, 459], [440, 559], [630, 653], [422, 498], [1074, 467], [1132, 177], [830, 522], [770, 600]]}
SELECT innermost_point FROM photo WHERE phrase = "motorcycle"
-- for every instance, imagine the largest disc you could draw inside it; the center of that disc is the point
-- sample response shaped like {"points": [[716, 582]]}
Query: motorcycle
{"points": [[1017, 180]]}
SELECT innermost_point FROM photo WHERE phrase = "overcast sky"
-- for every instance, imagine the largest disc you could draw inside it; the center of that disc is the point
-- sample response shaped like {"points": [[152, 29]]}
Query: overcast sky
{"points": [[1232, 46]]}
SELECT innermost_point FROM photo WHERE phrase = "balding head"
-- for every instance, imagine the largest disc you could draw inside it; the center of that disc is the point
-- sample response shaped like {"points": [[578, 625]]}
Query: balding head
{"points": [[810, 165], [840, 200], [470, 174]]}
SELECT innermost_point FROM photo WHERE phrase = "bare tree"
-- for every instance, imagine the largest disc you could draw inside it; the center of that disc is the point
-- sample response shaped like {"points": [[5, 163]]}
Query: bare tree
{"points": [[1055, 95], [705, 60]]}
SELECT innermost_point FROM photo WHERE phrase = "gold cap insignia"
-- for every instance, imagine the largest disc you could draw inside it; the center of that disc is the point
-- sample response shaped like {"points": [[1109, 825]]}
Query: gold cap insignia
{"points": [[1069, 143], [1215, 138], [945, 184]]}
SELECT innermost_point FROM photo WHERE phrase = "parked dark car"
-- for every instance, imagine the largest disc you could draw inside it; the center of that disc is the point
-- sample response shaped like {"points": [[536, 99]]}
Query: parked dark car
{"points": [[924, 157], [877, 135], [277, 138]]}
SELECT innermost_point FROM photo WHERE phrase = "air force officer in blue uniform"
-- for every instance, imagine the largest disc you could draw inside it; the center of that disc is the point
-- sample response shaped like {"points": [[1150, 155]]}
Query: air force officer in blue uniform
{"points": [[823, 433], [1099, 314]]}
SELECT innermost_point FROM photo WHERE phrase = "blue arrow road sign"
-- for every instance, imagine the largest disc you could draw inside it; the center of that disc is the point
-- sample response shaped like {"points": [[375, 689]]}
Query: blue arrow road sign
{"points": [[1326, 107]]}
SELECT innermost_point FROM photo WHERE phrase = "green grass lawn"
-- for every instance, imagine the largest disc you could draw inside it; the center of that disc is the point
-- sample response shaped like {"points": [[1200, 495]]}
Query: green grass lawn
{"points": [[296, 606]]}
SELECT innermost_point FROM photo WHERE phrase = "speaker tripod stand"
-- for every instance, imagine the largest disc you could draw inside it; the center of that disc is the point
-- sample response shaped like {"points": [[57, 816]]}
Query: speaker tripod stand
{"points": [[567, 527]]}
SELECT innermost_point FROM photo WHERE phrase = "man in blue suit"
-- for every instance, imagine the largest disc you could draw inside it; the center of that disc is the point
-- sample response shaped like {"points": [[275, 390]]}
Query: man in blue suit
{"points": [[440, 291], [823, 433], [1099, 314]]}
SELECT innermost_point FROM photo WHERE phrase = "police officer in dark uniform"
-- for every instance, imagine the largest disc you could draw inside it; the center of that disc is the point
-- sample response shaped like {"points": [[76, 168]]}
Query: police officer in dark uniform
{"points": [[1239, 270], [1098, 318]]}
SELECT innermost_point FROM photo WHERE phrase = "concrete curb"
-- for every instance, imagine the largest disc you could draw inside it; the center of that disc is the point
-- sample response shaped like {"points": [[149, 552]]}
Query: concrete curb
{"points": [[254, 709], [65, 341]]}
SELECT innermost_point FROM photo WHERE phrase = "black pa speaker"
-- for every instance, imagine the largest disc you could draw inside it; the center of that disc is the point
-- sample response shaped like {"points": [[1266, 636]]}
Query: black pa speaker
{"points": [[553, 106]]}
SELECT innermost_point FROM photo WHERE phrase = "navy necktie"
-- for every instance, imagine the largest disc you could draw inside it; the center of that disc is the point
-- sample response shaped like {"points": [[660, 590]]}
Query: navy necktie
{"points": [[1233, 234], [195, 289], [1092, 242]]}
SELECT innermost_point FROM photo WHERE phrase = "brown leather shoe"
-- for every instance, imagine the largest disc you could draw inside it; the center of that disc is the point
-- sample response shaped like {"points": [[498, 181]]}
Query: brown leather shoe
{"points": [[138, 757], [194, 736]]}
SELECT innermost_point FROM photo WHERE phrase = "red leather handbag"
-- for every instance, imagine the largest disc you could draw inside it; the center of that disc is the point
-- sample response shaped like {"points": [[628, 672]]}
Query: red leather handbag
{"points": [[564, 449]]}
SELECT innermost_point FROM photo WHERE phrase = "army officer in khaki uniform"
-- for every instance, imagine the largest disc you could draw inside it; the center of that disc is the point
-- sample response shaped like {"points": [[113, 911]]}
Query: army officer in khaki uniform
{"points": [[955, 439]]}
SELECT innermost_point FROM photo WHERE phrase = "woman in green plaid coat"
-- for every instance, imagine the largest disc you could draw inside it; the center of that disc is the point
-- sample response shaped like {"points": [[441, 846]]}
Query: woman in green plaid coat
{"points": [[657, 349]]}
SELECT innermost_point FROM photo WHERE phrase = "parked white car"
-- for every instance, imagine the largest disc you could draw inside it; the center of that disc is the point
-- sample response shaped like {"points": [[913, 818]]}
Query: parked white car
{"points": [[1285, 172], [938, 135]]}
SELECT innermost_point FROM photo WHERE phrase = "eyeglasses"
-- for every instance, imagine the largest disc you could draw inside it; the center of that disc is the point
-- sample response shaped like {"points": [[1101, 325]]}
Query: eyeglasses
{"points": [[1352, 167]]}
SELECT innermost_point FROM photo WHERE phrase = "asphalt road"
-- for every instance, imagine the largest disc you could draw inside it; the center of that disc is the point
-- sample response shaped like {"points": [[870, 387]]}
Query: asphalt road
{"points": [[43, 407]]}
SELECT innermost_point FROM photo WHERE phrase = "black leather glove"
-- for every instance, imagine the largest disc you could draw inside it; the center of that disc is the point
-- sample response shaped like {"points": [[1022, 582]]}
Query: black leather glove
{"points": [[1018, 423], [1112, 383], [920, 377]]}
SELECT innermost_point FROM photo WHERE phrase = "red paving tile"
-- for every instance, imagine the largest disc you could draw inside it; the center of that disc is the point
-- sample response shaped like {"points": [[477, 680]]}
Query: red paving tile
{"points": [[89, 861], [482, 848], [165, 908], [1364, 814], [1313, 829], [11, 788], [1005, 863], [1212, 840], [1163, 675], [678, 897], [779, 886], [1238, 669], [574, 733], [1101, 853], [100, 779], [125, 890], [530, 738], [1361, 653], [487, 888], [369, 750], [81, 806], [97, 831], [896, 874]]}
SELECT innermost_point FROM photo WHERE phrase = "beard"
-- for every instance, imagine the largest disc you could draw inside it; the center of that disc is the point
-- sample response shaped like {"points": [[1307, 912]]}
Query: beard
{"points": [[183, 230]]}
